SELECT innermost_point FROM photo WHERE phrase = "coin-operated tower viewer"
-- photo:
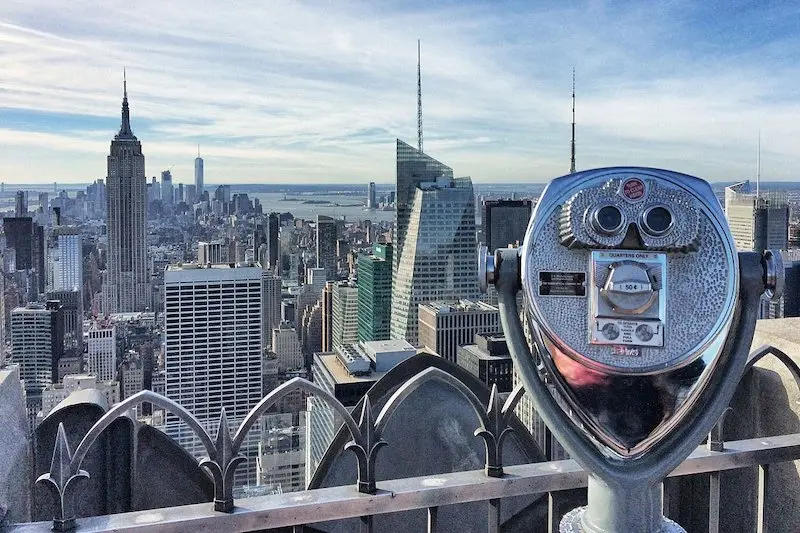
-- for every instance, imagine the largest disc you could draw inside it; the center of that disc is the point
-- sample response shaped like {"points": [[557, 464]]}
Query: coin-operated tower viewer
{"points": [[642, 315]]}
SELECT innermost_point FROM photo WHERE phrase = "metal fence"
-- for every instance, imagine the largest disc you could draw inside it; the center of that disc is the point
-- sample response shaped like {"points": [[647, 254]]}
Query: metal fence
{"points": [[368, 498]]}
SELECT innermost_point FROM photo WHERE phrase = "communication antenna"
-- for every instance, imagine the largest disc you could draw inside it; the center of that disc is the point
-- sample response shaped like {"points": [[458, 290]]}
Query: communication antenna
{"points": [[572, 158], [758, 167], [419, 100]]}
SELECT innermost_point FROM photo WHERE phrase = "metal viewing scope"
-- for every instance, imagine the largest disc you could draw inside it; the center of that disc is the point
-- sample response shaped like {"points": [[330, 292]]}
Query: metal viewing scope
{"points": [[641, 315]]}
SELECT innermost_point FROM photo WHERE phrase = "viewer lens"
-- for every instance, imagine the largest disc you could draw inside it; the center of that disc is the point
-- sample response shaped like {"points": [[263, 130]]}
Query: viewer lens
{"points": [[658, 221], [608, 219]]}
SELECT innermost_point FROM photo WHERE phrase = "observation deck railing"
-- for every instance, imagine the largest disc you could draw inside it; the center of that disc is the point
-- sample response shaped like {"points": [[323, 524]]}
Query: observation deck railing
{"points": [[368, 498]]}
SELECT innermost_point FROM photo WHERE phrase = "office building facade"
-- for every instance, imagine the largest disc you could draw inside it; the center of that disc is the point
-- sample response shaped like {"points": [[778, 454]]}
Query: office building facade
{"points": [[505, 222], [67, 259], [211, 252], [287, 348], [758, 221], [213, 350], [489, 360], [344, 322], [444, 326], [271, 302], [37, 346], [375, 293], [347, 373], [102, 351], [72, 317], [326, 246]]}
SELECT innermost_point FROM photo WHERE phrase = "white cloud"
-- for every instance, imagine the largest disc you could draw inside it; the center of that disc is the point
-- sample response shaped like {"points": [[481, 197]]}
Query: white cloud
{"points": [[282, 91]]}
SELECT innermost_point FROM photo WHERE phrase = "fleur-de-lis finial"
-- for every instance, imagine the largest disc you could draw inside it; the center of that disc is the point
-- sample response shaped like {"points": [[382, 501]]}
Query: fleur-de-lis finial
{"points": [[223, 466], [497, 414], [60, 481], [366, 448]]}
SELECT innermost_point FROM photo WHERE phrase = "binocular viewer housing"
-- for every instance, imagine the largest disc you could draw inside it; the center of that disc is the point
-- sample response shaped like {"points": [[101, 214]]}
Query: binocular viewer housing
{"points": [[640, 316], [631, 282]]}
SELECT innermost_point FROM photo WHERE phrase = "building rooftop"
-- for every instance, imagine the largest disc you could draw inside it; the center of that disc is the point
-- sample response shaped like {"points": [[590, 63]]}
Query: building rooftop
{"points": [[393, 345], [180, 267], [340, 373], [475, 350], [458, 307]]}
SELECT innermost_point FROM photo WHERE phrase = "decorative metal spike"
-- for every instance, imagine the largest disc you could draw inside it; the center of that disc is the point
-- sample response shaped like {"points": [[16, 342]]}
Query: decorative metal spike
{"points": [[59, 480], [223, 465], [366, 447], [497, 415], [223, 441]]}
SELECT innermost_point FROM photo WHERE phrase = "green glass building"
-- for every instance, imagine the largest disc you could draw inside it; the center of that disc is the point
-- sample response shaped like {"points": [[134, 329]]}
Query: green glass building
{"points": [[375, 293]]}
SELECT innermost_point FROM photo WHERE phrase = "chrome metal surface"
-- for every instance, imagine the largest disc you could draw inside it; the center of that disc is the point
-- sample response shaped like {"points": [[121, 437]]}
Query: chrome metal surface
{"points": [[632, 356], [285, 510], [774, 274], [485, 268]]}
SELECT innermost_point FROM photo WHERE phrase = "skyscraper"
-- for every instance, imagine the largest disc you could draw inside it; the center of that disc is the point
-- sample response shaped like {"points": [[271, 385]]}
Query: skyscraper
{"points": [[326, 246], [327, 316], [444, 326], [758, 221], [127, 286], [167, 190], [413, 168], [21, 204], [72, 316], [505, 222], [347, 373], [259, 241], [26, 239], [371, 196], [438, 260], [210, 252], [344, 323], [198, 174], [287, 348], [271, 303], [37, 345], [102, 351], [273, 244], [375, 293], [213, 349], [67, 259]]}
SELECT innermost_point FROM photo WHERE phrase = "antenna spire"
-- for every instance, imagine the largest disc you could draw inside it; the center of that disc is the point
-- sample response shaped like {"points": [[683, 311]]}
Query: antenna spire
{"points": [[198, 149], [125, 125], [758, 168], [572, 146], [419, 98]]}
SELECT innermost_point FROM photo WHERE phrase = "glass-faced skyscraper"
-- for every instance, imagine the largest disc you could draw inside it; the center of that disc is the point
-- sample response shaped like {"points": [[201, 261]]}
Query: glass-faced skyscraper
{"points": [[375, 293], [758, 221], [326, 245], [198, 174], [413, 167], [505, 222], [127, 286], [439, 257]]}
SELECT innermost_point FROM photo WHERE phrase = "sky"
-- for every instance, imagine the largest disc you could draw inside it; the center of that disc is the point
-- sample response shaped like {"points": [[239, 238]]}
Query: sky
{"points": [[317, 92]]}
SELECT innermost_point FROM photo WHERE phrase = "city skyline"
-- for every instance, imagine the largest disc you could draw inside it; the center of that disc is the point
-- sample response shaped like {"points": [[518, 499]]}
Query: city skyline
{"points": [[302, 91]]}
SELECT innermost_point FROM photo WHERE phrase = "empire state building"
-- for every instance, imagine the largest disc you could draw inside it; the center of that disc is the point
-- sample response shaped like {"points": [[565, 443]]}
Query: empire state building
{"points": [[127, 285]]}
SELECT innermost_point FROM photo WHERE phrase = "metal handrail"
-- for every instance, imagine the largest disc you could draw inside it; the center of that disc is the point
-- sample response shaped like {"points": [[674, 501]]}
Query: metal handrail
{"points": [[337, 503]]}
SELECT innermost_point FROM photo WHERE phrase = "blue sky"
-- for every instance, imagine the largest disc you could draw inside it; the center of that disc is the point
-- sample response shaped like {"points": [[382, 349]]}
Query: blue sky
{"points": [[279, 92]]}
